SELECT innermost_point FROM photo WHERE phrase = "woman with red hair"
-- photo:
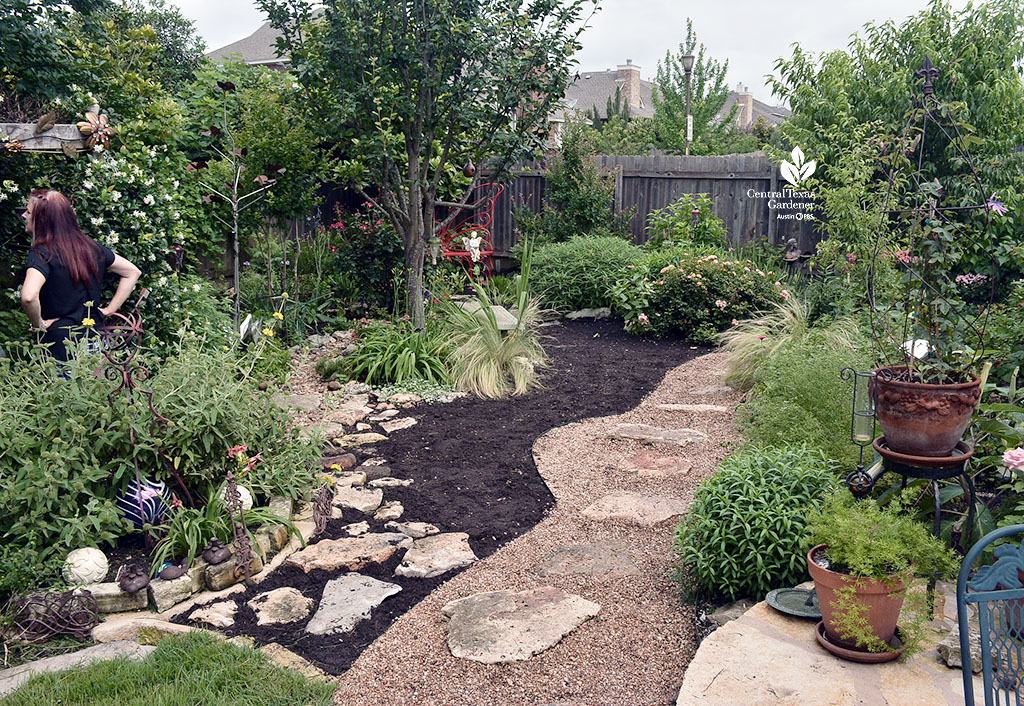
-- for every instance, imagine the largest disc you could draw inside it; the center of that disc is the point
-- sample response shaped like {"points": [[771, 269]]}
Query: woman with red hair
{"points": [[64, 278]]}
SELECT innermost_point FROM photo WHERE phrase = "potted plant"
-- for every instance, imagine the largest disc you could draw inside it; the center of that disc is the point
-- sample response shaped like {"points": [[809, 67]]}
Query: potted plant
{"points": [[934, 225], [863, 558]]}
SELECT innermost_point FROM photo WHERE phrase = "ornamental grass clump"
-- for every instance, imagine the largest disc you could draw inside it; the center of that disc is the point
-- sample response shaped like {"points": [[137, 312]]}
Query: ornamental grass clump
{"points": [[742, 535], [486, 361], [753, 341]]}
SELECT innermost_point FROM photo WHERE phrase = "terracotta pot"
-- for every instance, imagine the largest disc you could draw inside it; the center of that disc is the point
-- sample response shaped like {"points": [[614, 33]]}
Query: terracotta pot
{"points": [[883, 602], [920, 419]]}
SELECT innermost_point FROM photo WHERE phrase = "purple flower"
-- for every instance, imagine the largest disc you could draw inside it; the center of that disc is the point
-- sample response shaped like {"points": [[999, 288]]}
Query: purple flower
{"points": [[998, 206]]}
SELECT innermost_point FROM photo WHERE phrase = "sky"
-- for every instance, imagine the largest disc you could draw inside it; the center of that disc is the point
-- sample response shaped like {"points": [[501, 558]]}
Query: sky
{"points": [[751, 34]]}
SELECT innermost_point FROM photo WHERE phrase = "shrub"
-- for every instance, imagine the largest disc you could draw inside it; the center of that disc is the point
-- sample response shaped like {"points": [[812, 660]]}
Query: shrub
{"points": [[677, 293], [65, 450], [742, 535], [395, 352], [367, 253], [673, 225], [798, 397], [578, 197], [577, 274]]}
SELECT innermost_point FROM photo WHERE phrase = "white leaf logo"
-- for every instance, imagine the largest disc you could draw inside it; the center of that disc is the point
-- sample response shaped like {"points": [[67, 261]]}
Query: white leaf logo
{"points": [[799, 170]]}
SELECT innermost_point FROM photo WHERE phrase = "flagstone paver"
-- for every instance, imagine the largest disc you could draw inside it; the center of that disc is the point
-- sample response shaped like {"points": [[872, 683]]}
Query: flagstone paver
{"points": [[352, 553], [282, 605], [635, 508], [646, 432], [608, 559], [508, 626], [347, 600], [436, 555]]}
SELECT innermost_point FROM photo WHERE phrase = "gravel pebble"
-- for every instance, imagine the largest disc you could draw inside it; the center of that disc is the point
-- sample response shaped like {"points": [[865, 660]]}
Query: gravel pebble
{"points": [[637, 649]]}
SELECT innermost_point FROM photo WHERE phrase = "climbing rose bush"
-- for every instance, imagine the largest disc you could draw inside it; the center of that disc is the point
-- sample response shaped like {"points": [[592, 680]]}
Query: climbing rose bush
{"points": [[695, 296]]}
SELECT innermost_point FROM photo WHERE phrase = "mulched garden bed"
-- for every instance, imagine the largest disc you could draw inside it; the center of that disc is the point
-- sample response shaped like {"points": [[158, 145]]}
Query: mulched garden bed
{"points": [[472, 466]]}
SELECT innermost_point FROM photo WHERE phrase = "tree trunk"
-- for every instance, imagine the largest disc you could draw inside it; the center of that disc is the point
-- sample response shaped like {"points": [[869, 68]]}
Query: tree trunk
{"points": [[414, 280]]}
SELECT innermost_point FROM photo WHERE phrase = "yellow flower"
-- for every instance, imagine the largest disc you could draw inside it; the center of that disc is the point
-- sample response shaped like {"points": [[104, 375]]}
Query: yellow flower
{"points": [[88, 321], [279, 316], [268, 333], [335, 467], [284, 295]]}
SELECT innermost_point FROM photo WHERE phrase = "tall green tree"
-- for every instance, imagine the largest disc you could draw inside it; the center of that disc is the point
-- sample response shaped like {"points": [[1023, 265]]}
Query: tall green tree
{"points": [[34, 62], [850, 109], [409, 92], [708, 95]]}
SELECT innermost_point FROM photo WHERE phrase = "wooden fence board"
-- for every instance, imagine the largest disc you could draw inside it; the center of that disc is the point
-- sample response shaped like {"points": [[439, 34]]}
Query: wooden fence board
{"points": [[651, 182]]}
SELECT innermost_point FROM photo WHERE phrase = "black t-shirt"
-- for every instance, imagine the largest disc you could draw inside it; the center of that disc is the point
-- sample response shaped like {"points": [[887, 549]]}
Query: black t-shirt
{"points": [[60, 298]]}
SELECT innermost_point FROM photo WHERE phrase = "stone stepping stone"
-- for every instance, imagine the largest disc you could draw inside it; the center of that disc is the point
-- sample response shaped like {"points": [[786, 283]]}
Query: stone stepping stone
{"points": [[284, 657], [365, 500], [307, 403], [712, 390], [716, 408], [393, 426], [504, 626], [282, 605], [390, 510], [385, 415], [219, 615], [347, 600], [352, 440], [634, 508], [352, 553], [652, 465], [391, 482], [416, 530], [349, 478], [351, 411], [645, 432], [11, 679], [357, 528], [607, 559], [436, 555]]}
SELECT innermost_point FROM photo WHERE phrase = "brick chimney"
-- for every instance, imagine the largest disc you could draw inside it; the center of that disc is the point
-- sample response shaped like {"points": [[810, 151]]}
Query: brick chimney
{"points": [[745, 100], [628, 76]]}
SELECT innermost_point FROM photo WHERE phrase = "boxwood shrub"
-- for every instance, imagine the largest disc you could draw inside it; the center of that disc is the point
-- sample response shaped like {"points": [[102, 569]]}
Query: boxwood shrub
{"points": [[742, 535]]}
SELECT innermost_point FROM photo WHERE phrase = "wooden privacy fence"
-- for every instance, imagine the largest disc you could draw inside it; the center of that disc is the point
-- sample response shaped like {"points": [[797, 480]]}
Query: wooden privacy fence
{"points": [[749, 194]]}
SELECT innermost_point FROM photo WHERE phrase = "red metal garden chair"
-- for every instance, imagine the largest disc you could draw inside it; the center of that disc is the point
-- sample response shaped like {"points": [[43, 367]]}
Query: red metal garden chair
{"points": [[467, 238]]}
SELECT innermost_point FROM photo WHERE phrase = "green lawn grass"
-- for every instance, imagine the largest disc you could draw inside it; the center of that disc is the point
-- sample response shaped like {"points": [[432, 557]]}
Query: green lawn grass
{"points": [[185, 670]]}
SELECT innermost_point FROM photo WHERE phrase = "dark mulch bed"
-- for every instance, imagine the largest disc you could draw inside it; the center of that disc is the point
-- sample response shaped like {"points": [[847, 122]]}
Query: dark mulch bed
{"points": [[473, 471]]}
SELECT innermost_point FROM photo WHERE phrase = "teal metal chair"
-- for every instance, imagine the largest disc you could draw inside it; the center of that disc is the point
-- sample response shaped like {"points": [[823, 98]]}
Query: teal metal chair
{"points": [[997, 591]]}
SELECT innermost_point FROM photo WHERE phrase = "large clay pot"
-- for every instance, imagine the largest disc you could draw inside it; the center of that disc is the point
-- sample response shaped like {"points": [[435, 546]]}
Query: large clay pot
{"points": [[883, 601], [920, 419]]}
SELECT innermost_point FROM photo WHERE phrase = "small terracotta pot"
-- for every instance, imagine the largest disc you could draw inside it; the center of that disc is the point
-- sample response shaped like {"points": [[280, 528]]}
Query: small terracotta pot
{"points": [[883, 602], [921, 419]]}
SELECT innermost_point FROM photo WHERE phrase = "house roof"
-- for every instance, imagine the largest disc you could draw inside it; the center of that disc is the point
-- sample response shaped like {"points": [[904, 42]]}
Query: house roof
{"points": [[591, 89], [772, 114], [260, 47]]}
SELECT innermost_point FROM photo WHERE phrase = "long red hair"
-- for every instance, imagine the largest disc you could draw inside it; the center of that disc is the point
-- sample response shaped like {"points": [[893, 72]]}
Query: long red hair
{"points": [[55, 227]]}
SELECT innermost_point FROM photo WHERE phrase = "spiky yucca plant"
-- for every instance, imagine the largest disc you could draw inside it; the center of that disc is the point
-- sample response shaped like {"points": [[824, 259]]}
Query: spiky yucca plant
{"points": [[753, 340], [487, 362]]}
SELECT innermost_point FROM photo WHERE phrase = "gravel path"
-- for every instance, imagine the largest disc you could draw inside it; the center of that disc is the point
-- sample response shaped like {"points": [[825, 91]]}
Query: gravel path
{"points": [[636, 650]]}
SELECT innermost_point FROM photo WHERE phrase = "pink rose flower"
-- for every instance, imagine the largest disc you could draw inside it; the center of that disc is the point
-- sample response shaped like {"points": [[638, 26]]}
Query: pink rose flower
{"points": [[643, 319], [1014, 459], [721, 303]]}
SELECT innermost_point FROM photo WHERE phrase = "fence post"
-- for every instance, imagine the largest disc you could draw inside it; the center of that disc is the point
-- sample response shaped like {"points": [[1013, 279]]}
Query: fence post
{"points": [[773, 185], [617, 195]]}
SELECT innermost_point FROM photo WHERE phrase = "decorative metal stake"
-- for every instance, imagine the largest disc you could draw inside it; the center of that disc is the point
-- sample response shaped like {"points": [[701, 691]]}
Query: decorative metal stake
{"points": [[862, 427], [929, 73], [242, 544], [323, 508]]}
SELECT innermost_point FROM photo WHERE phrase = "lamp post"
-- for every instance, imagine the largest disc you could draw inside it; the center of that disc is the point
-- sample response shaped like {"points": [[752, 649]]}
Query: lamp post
{"points": [[688, 69]]}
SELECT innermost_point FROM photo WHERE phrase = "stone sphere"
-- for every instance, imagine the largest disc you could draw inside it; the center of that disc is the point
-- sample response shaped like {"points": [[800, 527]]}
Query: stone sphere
{"points": [[86, 565], [243, 493]]}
